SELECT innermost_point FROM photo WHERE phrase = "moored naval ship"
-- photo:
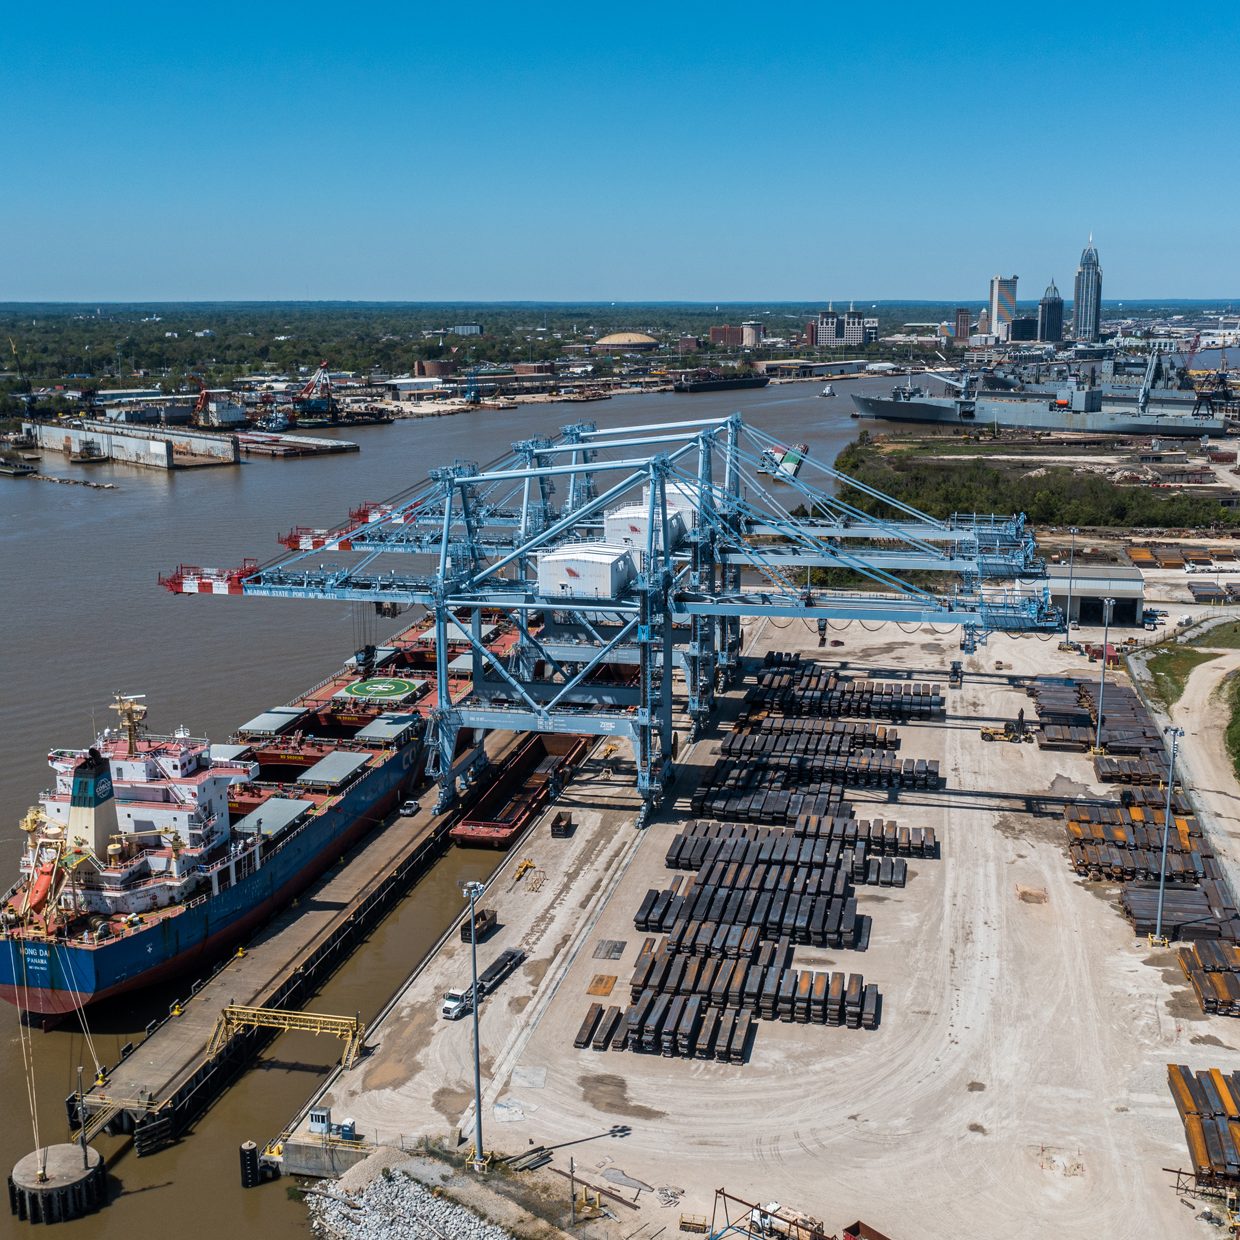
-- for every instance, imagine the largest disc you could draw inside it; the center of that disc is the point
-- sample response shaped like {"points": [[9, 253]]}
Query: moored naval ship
{"points": [[151, 853], [1071, 407]]}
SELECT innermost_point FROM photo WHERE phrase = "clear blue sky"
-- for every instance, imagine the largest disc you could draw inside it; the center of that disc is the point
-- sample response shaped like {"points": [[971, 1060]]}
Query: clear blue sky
{"points": [[614, 151]]}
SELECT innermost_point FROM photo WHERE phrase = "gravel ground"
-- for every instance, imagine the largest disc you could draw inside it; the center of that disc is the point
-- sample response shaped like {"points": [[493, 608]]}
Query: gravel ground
{"points": [[395, 1207]]}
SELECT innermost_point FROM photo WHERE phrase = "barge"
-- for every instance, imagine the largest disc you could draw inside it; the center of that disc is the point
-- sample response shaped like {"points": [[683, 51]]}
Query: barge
{"points": [[531, 777]]}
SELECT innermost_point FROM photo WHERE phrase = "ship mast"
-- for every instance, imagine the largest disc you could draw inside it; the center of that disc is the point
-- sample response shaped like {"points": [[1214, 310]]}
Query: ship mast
{"points": [[131, 711]]}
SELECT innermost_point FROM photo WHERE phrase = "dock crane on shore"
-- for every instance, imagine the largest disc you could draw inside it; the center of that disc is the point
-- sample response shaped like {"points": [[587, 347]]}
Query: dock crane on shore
{"points": [[665, 538]]}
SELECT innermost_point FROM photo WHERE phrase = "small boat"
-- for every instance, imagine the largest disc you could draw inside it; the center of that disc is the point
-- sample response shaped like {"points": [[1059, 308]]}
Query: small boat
{"points": [[827, 391], [791, 463], [770, 460]]}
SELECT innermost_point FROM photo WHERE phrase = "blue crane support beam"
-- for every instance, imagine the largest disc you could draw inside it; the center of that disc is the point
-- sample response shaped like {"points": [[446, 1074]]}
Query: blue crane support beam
{"points": [[486, 527]]}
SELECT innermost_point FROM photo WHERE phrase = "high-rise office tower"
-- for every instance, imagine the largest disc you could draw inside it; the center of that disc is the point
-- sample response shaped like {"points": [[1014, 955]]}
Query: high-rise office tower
{"points": [[964, 324], [1087, 295], [1050, 315], [1002, 304]]}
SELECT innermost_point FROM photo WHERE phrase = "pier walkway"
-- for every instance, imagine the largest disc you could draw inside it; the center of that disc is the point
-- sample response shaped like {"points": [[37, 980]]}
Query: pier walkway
{"points": [[166, 1078]]}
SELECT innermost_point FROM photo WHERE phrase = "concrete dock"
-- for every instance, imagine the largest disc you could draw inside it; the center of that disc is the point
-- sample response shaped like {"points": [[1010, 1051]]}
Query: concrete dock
{"points": [[1019, 1065]]}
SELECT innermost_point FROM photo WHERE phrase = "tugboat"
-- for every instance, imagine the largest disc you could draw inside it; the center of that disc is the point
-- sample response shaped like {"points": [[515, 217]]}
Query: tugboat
{"points": [[827, 391], [276, 420]]}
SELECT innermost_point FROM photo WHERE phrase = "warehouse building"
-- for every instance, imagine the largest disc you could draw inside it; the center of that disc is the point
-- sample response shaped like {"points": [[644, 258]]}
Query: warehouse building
{"points": [[1090, 585]]}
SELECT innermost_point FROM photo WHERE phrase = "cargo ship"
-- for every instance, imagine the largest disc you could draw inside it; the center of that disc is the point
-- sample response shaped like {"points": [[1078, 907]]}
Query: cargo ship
{"points": [[155, 853], [717, 381]]}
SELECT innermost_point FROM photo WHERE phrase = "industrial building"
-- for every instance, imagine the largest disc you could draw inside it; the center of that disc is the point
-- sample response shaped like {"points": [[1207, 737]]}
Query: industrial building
{"points": [[805, 368], [1092, 583]]}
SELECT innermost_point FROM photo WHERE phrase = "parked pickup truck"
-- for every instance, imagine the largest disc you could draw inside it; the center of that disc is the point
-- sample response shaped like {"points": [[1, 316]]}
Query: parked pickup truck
{"points": [[456, 1003], [485, 921]]}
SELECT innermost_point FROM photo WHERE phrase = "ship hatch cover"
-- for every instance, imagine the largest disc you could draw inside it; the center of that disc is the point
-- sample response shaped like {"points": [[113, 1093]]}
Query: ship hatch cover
{"points": [[388, 728], [272, 816], [272, 722], [334, 769]]}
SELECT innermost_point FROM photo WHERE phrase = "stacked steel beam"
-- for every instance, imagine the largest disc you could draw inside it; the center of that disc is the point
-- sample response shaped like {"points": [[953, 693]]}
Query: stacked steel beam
{"points": [[1207, 1103], [790, 684], [1213, 971]]}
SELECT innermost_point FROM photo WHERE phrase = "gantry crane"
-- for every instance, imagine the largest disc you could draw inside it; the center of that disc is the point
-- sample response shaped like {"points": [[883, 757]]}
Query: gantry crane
{"points": [[706, 541]]}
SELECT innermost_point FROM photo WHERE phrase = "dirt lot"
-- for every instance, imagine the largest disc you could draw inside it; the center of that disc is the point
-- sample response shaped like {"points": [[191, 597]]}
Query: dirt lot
{"points": [[1015, 1086]]}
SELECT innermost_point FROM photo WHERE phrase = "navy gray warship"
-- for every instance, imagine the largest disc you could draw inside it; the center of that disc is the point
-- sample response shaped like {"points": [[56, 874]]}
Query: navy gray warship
{"points": [[1070, 406]]}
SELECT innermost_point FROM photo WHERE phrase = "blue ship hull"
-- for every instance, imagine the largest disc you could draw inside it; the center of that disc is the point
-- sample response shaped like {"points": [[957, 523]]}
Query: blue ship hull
{"points": [[56, 977]]}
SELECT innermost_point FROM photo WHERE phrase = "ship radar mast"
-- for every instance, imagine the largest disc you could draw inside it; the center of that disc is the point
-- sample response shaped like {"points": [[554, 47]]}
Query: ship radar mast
{"points": [[131, 711]]}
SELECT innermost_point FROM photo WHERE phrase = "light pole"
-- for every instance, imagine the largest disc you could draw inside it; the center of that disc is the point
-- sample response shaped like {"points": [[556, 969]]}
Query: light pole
{"points": [[1175, 734], [473, 890], [1067, 620], [1108, 606]]}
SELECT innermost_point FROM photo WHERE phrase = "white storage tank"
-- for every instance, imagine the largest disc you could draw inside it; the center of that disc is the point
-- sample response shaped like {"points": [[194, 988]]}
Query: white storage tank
{"points": [[630, 525], [585, 570]]}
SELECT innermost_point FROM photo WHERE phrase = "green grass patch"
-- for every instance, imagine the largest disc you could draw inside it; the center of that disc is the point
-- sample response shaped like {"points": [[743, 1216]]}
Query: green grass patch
{"points": [[1221, 636], [1231, 738], [1170, 669]]}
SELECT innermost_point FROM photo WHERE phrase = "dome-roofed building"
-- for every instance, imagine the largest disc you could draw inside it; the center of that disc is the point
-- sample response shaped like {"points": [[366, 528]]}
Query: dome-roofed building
{"points": [[626, 342]]}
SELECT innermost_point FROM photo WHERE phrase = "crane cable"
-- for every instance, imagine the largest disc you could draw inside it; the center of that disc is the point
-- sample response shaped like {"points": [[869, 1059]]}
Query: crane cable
{"points": [[27, 1041]]}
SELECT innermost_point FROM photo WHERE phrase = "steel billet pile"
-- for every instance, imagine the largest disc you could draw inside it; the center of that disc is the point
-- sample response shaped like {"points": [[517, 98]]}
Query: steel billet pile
{"points": [[1207, 1102], [1213, 971], [776, 768], [790, 684], [777, 866], [1132, 743]]}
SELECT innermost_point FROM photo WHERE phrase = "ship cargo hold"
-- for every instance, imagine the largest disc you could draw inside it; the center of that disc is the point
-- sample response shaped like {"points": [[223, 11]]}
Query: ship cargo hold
{"points": [[520, 789]]}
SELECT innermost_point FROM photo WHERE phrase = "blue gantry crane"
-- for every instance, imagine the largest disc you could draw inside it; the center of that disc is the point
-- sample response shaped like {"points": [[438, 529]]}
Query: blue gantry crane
{"points": [[639, 548]]}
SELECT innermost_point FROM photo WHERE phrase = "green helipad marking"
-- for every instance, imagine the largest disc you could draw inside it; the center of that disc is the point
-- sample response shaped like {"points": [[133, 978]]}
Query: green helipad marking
{"points": [[382, 687]]}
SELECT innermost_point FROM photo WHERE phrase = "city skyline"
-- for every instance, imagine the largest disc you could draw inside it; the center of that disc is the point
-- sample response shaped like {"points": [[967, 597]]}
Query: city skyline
{"points": [[569, 156]]}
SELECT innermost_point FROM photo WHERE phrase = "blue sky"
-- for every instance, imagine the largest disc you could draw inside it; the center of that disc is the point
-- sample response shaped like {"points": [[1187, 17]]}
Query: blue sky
{"points": [[629, 152]]}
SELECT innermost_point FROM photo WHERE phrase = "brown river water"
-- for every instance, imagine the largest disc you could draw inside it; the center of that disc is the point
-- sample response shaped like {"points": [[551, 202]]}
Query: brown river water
{"points": [[84, 618]]}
